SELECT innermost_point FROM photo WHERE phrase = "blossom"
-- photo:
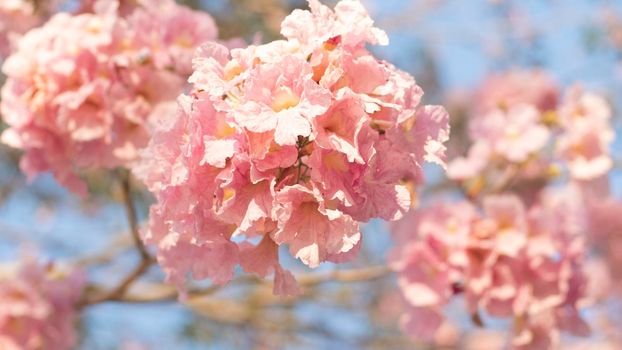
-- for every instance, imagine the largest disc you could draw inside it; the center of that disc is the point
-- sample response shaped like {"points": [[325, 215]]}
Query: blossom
{"points": [[525, 246], [38, 305], [349, 22], [510, 142], [510, 125], [83, 91], [605, 222], [16, 18], [515, 87], [586, 149], [514, 134], [461, 168], [291, 143], [282, 97], [586, 134], [508, 260]]}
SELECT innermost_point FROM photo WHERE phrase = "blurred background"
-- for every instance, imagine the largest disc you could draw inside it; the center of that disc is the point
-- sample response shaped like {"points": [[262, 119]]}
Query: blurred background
{"points": [[449, 46]]}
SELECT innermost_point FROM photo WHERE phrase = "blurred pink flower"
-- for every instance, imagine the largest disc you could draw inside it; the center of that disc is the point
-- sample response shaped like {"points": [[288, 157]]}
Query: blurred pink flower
{"points": [[509, 261], [586, 134], [82, 90], [514, 133], [462, 168], [16, 18], [38, 306], [517, 87], [605, 221]]}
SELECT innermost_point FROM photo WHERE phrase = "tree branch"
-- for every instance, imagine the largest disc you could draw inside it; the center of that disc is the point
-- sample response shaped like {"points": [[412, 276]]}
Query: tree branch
{"points": [[170, 294], [145, 258], [130, 212], [307, 280]]}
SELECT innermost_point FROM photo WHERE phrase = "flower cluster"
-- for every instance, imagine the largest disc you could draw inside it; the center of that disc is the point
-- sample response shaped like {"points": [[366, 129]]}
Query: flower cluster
{"points": [[38, 306], [289, 143], [83, 90], [518, 116], [16, 18], [586, 134], [507, 260], [517, 87], [605, 220], [516, 248]]}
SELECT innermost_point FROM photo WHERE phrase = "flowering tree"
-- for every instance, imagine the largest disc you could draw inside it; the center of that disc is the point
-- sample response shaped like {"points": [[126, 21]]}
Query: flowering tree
{"points": [[237, 161]]}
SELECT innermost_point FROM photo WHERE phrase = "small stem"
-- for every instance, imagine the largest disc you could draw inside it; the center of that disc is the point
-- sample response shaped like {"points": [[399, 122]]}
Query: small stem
{"points": [[477, 319], [118, 292], [506, 180], [307, 280], [146, 260], [354, 275], [130, 211]]}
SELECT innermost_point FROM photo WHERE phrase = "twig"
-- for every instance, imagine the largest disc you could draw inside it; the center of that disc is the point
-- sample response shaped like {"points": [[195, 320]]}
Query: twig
{"points": [[354, 275], [306, 280], [145, 258], [130, 211], [117, 246], [506, 180]]}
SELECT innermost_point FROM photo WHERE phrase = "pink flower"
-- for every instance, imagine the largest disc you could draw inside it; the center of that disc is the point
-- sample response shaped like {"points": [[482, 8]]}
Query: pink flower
{"points": [[449, 223], [509, 261], [516, 87], [535, 335], [587, 134], [290, 143], [190, 238], [586, 150], [510, 129], [314, 231], [38, 306], [16, 18], [483, 339], [425, 280], [462, 168], [175, 32], [349, 24], [342, 127], [514, 134], [605, 223], [429, 259], [580, 106], [421, 323], [82, 91], [262, 260], [506, 222], [282, 97]]}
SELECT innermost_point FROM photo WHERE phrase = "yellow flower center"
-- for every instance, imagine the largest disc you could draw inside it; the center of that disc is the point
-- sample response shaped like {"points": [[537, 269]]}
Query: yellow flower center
{"points": [[284, 98], [228, 193], [184, 41]]}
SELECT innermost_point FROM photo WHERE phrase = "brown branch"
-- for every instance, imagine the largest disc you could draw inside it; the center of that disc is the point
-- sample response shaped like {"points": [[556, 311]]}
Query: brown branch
{"points": [[506, 180], [170, 294], [118, 245], [119, 293], [130, 211], [146, 260], [120, 290], [354, 275]]}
